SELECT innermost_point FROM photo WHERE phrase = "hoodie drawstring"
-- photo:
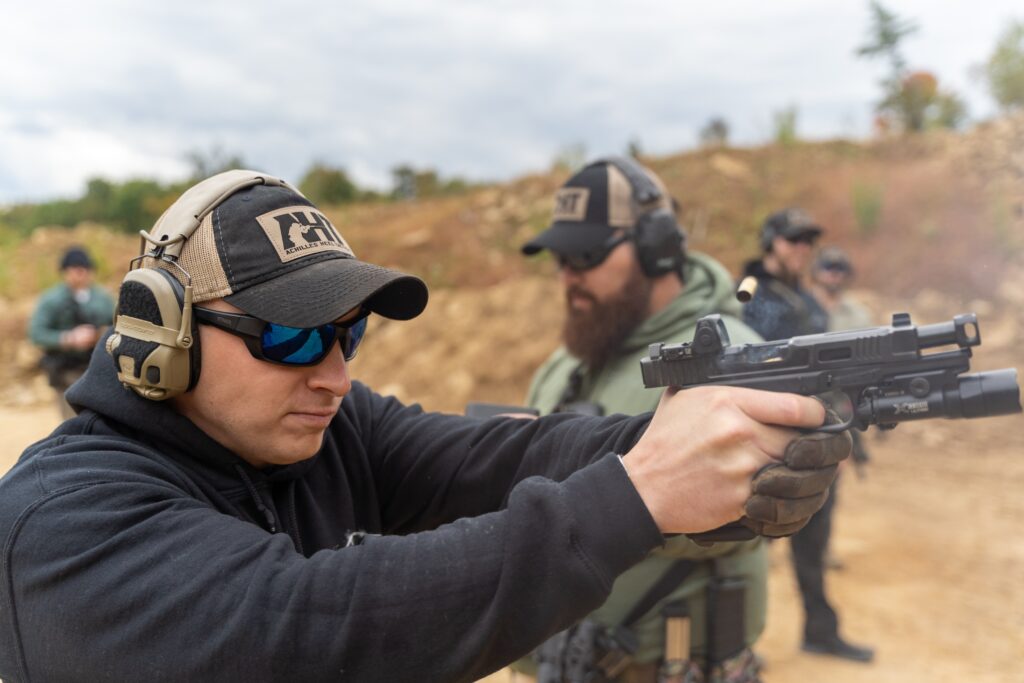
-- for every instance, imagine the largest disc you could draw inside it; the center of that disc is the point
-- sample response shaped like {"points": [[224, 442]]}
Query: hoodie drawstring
{"points": [[268, 514]]}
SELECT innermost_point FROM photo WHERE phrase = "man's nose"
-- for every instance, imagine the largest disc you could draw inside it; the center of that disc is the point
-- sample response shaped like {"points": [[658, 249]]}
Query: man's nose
{"points": [[331, 373]]}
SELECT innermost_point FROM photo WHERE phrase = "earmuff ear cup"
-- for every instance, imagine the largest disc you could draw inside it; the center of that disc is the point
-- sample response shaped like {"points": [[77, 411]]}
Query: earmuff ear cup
{"points": [[659, 243], [148, 358]]}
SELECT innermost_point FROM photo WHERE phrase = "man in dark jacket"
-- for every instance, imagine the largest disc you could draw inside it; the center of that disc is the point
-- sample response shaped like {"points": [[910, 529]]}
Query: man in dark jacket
{"points": [[781, 308], [228, 505]]}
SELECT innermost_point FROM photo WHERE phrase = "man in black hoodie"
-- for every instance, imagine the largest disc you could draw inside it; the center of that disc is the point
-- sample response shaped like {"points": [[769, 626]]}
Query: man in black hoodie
{"points": [[228, 505]]}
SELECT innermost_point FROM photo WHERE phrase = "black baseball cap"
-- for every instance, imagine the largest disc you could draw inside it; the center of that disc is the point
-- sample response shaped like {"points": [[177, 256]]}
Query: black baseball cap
{"points": [[268, 250], [790, 224], [591, 207]]}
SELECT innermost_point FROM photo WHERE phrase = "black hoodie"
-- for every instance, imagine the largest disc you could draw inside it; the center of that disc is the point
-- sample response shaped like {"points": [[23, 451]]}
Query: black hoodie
{"points": [[136, 548]]}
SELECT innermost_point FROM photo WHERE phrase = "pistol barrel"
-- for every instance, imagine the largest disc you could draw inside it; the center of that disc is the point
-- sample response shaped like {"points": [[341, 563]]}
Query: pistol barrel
{"points": [[962, 330]]}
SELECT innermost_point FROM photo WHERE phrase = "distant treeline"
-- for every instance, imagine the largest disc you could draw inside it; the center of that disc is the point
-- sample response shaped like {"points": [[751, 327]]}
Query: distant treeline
{"points": [[137, 203]]}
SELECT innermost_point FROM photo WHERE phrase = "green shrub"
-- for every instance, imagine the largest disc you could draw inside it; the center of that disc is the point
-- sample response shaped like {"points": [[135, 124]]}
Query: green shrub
{"points": [[867, 206], [784, 125]]}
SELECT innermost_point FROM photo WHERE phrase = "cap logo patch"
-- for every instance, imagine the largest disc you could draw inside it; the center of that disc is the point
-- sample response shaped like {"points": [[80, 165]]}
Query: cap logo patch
{"points": [[297, 231], [571, 204]]}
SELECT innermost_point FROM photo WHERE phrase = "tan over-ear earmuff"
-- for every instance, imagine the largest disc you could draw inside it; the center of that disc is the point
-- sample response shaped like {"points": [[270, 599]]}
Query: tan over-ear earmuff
{"points": [[154, 344]]}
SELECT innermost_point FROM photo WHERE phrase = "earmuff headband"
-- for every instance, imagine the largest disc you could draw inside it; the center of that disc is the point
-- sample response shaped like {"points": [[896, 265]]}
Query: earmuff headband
{"points": [[185, 216]]}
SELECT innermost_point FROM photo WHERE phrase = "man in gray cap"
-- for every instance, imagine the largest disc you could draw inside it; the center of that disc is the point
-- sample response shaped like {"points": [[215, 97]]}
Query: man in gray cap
{"points": [[830, 281], [230, 505], [67, 322], [831, 276]]}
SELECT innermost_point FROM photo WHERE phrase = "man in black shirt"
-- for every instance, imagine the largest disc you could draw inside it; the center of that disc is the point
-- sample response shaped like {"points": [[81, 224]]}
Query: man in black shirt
{"points": [[230, 505]]}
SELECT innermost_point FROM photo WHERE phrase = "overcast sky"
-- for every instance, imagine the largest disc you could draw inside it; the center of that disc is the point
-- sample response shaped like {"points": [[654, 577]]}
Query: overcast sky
{"points": [[485, 89]]}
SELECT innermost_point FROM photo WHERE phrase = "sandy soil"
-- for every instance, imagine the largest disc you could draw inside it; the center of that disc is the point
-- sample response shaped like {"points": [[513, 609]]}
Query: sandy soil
{"points": [[930, 538]]}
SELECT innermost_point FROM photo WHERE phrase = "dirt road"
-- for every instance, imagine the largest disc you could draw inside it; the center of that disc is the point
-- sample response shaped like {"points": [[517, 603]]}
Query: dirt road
{"points": [[933, 549]]}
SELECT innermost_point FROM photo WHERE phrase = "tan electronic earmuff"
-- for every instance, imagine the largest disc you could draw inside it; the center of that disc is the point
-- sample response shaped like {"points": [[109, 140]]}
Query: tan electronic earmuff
{"points": [[162, 363], [154, 344]]}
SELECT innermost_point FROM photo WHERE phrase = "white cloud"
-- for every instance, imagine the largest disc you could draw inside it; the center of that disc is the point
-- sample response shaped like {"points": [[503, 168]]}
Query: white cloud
{"points": [[119, 88], [67, 156]]}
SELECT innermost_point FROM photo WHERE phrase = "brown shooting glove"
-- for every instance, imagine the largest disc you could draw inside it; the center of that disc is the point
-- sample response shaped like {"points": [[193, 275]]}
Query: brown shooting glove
{"points": [[787, 494]]}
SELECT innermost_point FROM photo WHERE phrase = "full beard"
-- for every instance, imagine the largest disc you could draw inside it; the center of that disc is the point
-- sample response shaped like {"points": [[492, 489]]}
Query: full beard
{"points": [[596, 335]]}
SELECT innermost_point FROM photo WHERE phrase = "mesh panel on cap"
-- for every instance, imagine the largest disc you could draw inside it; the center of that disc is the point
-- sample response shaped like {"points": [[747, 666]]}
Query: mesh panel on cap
{"points": [[621, 211], [200, 258]]}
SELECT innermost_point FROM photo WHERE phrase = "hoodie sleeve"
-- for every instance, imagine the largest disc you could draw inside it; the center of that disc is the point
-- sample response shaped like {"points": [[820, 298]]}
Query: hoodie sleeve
{"points": [[129, 575], [432, 468]]}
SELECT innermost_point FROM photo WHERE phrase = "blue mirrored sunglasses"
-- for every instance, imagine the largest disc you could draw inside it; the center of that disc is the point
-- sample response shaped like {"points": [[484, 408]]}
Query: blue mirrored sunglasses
{"points": [[296, 346]]}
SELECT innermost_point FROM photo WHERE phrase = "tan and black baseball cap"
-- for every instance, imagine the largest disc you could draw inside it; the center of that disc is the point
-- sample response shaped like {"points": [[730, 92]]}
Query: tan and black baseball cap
{"points": [[592, 206], [257, 242]]}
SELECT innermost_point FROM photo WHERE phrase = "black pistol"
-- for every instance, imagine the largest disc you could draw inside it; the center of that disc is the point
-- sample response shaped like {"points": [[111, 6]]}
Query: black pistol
{"points": [[872, 376]]}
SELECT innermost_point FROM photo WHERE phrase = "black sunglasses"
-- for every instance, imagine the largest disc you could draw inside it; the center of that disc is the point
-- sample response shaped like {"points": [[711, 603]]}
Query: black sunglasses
{"points": [[590, 258], [283, 345]]}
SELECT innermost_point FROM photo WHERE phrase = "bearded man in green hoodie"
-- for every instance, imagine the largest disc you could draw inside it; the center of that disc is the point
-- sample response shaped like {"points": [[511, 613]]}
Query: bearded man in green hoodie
{"points": [[629, 282]]}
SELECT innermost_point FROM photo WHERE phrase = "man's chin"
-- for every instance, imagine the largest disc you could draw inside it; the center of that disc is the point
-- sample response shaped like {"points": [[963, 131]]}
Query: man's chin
{"points": [[293, 457], [296, 448]]}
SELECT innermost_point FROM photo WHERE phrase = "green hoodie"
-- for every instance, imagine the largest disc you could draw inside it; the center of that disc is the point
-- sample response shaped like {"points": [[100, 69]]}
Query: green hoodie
{"points": [[618, 388]]}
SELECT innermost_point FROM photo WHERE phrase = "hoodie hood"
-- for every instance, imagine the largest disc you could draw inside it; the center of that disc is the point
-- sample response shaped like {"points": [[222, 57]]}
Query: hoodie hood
{"points": [[709, 289]]}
